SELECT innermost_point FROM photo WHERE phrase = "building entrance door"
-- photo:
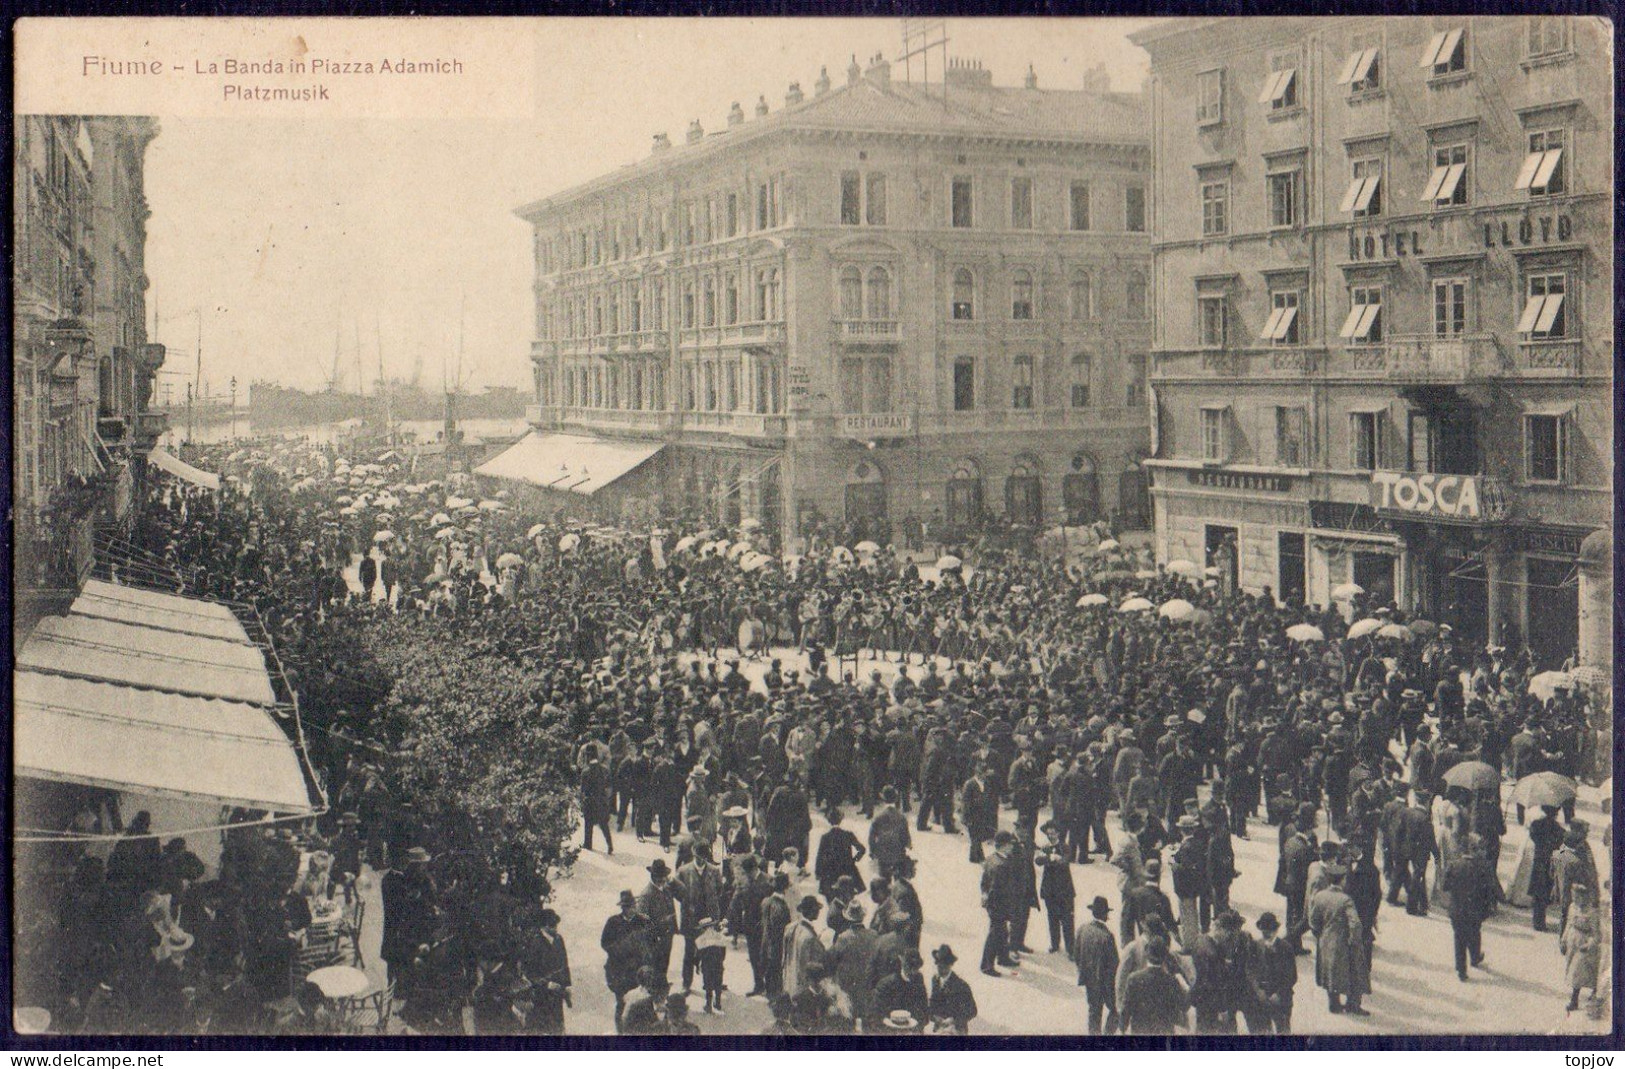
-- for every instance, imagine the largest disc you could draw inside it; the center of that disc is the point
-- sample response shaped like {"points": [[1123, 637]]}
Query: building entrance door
{"points": [[1461, 593], [1554, 610], [1221, 552], [1375, 573], [1080, 493], [1133, 500], [1289, 554]]}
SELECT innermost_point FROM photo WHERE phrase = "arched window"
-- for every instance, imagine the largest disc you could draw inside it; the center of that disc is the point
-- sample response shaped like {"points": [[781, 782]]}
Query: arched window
{"points": [[1021, 381], [1021, 295], [851, 293], [879, 293], [1082, 373], [964, 302], [1135, 298], [1081, 295]]}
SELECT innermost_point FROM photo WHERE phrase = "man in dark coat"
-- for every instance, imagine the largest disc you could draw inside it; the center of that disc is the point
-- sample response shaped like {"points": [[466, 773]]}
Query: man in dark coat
{"points": [[979, 803], [625, 945], [658, 902], [937, 786], [745, 918], [1155, 998], [409, 916], [1272, 975], [665, 796], [889, 837], [1095, 951], [903, 988], [547, 967], [1143, 900], [788, 821], [1469, 884], [1056, 889], [1221, 989], [838, 854], [952, 1005], [1545, 836], [1292, 884], [1416, 846], [597, 801], [1002, 895], [775, 915]]}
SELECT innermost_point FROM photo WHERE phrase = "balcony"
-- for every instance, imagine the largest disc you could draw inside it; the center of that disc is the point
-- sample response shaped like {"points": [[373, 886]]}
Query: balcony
{"points": [[151, 426], [634, 420], [737, 424], [869, 332], [1557, 358], [1423, 359]]}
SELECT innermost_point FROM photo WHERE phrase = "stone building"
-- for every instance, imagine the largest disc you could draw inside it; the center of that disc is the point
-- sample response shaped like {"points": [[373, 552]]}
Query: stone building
{"points": [[879, 302], [1384, 268]]}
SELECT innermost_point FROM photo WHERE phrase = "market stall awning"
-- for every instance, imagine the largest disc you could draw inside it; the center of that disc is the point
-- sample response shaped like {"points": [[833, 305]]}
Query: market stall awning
{"points": [[578, 463], [165, 612], [114, 652], [150, 741], [174, 465]]}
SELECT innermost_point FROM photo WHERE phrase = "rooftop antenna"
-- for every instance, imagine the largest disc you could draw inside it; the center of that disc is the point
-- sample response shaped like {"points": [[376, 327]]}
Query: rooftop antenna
{"points": [[920, 37]]}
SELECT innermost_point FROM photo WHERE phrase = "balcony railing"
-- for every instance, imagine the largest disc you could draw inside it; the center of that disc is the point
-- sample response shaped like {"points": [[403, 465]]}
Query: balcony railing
{"points": [[1423, 358], [1414, 359], [1559, 357], [151, 426], [739, 424], [870, 331], [643, 420]]}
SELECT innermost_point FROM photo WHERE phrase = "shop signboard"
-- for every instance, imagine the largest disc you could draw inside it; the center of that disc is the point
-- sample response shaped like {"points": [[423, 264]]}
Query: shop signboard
{"points": [[1462, 498]]}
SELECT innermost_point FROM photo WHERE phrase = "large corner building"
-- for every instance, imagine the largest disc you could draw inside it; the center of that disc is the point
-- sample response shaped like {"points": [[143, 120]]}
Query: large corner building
{"points": [[880, 301], [1384, 275]]}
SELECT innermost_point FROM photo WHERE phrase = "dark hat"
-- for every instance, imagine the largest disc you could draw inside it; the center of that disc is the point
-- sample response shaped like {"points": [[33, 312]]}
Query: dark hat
{"points": [[944, 955], [628, 899], [1100, 907], [1267, 922], [809, 906], [1003, 838], [658, 867], [547, 918]]}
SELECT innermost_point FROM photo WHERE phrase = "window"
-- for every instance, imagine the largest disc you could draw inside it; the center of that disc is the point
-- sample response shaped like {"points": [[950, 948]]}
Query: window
{"points": [[1021, 295], [1448, 183], [1210, 97], [1283, 196], [851, 194], [1282, 325], [874, 212], [1080, 205], [1545, 448], [1364, 196], [688, 305], [1362, 70], [1364, 322], [964, 384], [730, 299], [1542, 170], [597, 314], [1544, 316], [614, 310], [1134, 388], [851, 385], [761, 207], [708, 292], [636, 311], [1213, 313], [1021, 382], [1214, 444], [1215, 208], [1280, 89], [657, 306], [964, 298], [879, 294], [960, 201], [1548, 36], [1365, 440], [851, 288], [1081, 296], [1136, 297], [879, 395], [1082, 373], [767, 293], [1134, 209], [1449, 307], [733, 214], [1290, 436], [1021, 203], [1446, 52]]}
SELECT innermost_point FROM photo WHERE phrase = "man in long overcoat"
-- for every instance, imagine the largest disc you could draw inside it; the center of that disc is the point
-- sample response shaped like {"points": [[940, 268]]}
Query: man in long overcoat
{"points": [[1341, 965], [1095, 949]]}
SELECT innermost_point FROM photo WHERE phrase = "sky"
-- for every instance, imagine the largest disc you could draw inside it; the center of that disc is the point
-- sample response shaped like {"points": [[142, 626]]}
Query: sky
{"points": [[283, 238]]}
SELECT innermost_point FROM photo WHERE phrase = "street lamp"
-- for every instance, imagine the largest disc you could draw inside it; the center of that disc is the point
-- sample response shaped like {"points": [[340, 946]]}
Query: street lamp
{"points": [[234, 408]]}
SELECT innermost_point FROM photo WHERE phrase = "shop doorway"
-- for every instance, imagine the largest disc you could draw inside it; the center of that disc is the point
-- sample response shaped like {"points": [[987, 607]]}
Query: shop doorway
{"points": [[1461, 593], [1080, 491], [1024, 496], [1553, 605], [1375, 573], [1289, 557], [1133, 500], [965, 497], [1220, 550], [866, 504]]}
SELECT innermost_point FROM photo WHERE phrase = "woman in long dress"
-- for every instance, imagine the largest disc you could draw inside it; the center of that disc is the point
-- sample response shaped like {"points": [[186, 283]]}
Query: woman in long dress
{"points": [[1450, 830], [1581, 945]]}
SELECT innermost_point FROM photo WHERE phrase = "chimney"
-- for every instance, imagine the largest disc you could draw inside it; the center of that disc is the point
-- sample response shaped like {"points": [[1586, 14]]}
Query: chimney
{"points": [[821, 86], [736, 114], [695, 131], [1031, 81], [1096, 80], [879, 73], [793, 94], [967, 74], [853, 71], [761, 107], [662, 142]]}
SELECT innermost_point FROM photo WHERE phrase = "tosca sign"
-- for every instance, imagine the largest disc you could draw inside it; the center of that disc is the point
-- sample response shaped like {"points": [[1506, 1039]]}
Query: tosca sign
{"points": [[1456, 497]]}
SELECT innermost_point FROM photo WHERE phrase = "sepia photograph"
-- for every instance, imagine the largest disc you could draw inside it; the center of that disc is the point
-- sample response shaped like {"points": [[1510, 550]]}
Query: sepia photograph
{"points": [[904, 528]]}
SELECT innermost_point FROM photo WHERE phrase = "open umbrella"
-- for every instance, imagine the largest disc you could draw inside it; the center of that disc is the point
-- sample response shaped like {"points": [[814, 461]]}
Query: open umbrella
{"points": [[735, 550], [949, 562], [1091, 599], [1176, 609], [458, 502], [1183, 567], [1423, 627], [383, 536], [684, 544], [535, 530], [841, 553], [569, 542], [1473, 775], [1544, 788], [1346, 591], [1135, 605], [1362, 628], [447, 532], [1146, 573], [491, 505], [866, 546], [1547, 684], [1305, 633], [1211, 572], [440, 519], [510, 560], [1107, 545], [1399, 631], [1589, 675]]}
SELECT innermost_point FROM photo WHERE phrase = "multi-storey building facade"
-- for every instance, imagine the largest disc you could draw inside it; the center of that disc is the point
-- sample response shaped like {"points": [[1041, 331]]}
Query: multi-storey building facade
{"points": [[1383, 346], [81, 366], [884, 300]]}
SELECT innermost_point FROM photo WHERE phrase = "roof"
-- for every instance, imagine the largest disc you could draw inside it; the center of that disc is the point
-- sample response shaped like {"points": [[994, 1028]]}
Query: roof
{"points": [[169, 462], [166, 612], [905, 108], [136, 656], [106, 735], [578, 463]]}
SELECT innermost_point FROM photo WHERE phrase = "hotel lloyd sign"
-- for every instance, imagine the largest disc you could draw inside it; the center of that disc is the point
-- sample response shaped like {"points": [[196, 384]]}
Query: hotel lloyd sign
{"points": [[1464, 498]]}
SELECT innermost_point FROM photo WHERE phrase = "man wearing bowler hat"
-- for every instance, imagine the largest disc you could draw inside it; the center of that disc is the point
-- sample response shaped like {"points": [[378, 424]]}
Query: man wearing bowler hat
{"points": [[1095, 949], [952, 1005], [625, 944], [1273, 973], [1001, 897], [658, 902]]}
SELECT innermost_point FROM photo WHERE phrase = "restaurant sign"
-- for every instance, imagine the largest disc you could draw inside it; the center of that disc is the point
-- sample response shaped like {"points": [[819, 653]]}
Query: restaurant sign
{"points": [[876, 424], [1239, 480], [1456, 497]]}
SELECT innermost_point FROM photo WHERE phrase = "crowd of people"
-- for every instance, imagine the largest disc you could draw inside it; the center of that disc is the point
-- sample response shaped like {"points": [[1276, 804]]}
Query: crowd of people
{"points": [[709, 688]]}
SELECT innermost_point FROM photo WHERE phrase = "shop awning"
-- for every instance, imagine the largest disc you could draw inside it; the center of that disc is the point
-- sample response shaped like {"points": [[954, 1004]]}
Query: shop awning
{"points": [[110, 651], [174, 465], [165, 612], [149, 741], [578, 463]]}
